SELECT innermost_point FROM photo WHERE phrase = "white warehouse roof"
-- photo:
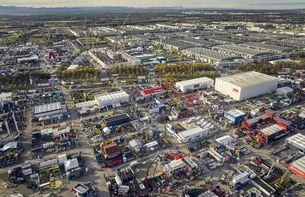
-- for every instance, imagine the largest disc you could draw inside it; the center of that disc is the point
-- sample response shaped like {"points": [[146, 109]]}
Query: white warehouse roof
{"points": [[247, 79], [240, 49], [195, 81], [190, 132], [297, 140], [47, 108], [208, 53], [272, 129], [224, 140], [299, 164], [86, 104], [236, 113], [112, 98]]}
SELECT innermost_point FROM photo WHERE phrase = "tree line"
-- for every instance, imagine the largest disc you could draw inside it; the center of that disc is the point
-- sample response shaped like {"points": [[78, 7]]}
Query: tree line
{"points": [[129, 70], [271, 69], [185, 68], [21, 80], [80, 73]]}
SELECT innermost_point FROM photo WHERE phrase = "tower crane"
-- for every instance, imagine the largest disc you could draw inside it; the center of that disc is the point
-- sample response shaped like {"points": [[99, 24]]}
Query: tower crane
{"points": [[119, 35]]}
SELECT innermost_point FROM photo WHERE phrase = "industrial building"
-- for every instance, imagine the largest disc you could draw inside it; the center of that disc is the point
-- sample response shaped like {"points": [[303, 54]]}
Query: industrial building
{"points": [[267, 47], [272, 132], [192, 134], [246, 85], [225, 140], [111, 99], [175, 44], [208, 55], [200, 42], [297, 140], [235, 116], [117, 120], [241, 51], [298, 167], [194, 84], [51, 113]]}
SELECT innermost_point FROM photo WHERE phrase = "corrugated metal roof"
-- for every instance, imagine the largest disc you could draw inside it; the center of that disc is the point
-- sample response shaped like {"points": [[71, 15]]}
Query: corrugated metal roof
{"points": [[297, 140], [47, 108], [235, 113], [256, 119], [299, 164], [195, 81], [248, 79], [190, 132], [272, 129]]}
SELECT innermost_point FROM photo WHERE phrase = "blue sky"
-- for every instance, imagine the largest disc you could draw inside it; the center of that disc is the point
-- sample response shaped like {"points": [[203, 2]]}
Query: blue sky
{"points": [[260, 4]]}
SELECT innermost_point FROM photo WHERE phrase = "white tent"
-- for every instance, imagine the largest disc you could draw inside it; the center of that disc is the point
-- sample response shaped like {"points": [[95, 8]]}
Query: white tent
{"points": [[225, 140], [71, 164]]}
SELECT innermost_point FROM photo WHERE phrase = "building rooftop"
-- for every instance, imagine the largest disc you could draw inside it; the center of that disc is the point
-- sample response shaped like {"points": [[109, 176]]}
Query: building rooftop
{"points": [[250, 78], [299, 164], [199, 42], [224, 140], [177, 43], [271, 129], [208, 53], [268, 47], [236, 113], [257, 118], [47, 108], [190, 132], [111, 95], [297, 140], [151, 91], [194, 81], [241, 50]]}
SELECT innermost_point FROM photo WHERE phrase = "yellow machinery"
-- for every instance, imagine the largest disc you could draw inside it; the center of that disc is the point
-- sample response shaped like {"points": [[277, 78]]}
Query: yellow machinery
{"points": [[105, 143]]}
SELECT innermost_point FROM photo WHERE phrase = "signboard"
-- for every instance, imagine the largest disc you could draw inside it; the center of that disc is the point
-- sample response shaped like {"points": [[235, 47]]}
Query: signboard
{"points": [[235, 90]]}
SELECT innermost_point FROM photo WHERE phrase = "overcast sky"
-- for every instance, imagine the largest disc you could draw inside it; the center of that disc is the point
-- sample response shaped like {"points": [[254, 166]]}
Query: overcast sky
{"points": [[260, 4]]}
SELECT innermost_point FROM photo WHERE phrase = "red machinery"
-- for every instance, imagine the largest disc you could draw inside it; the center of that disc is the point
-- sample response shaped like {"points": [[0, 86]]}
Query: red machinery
{"points": [[52, 55], [191, 99]]}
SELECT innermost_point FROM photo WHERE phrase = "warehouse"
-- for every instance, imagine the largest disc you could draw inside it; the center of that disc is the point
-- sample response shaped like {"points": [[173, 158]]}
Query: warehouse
{"points": [[241, 51], [225, 140], [51, 113], [208, 55], [267, 47], [272, 132], [192, 134], [297, 140], [112, 99], [246, 85], [298, 167], [235, 116], [117, 120], [194, 84]]}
